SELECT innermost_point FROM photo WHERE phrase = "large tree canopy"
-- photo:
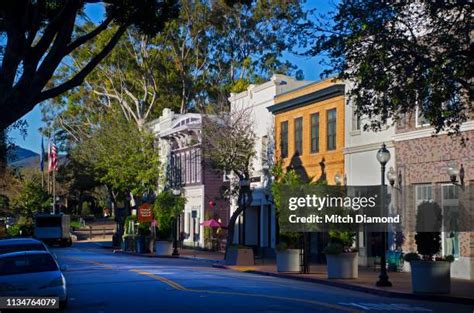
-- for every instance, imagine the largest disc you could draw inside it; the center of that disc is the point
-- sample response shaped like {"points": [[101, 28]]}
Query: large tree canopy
{"points": [[401, 55], [37, 36]]}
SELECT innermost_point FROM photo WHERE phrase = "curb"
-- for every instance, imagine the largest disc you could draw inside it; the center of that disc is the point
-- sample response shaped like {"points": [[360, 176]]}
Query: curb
{"points": [[217, 262], [385, 293]]}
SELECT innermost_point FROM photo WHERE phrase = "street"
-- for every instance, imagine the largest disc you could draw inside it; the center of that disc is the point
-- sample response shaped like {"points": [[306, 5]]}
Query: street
{"points": [[100, 281]]}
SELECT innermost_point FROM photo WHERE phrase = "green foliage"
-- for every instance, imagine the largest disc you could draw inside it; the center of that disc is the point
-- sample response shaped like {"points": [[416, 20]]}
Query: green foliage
{"points": [[128, 228], [449, 258], [344, 238], [412, 256], [123, 157], [53, 31], [167, 208], [289, 240], [428, 219], [334, 248], [144, 229], [86, 208], [32, 198], [391, 52]]}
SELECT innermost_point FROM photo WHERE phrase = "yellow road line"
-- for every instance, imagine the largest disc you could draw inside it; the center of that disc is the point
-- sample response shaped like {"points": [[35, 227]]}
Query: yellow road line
{"points": [[90, 262], [177, 286]]}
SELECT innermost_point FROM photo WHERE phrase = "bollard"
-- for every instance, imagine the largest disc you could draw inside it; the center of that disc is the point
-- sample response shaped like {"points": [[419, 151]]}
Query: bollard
{"points": [[90, 232]]}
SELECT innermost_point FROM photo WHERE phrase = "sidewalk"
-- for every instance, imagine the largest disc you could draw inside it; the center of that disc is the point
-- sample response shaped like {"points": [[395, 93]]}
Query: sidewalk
{"points": [[191, 254], [462, 291]]}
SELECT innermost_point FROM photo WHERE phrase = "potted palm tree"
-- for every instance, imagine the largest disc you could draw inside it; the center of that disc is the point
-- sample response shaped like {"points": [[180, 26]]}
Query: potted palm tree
{"points": [[167, 208], [430, 272], [342, 257]]}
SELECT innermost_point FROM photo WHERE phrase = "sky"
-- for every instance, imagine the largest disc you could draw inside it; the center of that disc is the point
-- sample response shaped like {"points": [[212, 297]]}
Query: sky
{"points": [[310, 67]]}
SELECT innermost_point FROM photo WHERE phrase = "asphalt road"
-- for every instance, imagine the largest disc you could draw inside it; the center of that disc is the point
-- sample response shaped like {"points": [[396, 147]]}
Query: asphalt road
{"points": [[103, 282]]}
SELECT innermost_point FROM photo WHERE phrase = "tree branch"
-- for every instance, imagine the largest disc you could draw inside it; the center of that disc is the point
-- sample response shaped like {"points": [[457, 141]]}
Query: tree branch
{"points": [[81, 75]]}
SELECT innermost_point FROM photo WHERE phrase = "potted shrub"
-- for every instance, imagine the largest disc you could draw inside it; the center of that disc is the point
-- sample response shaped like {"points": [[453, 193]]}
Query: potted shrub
{"points": [[430, 273], [342, 258], [129, 236], [288, 256], [239, 255], [167, 208]]}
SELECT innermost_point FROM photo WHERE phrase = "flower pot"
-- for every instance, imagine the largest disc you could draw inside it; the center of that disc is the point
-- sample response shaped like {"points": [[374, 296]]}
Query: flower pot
{"points": [[343, 266], [239, 256], [430, 276], [288, 260], [163, 248], [140, 244]]}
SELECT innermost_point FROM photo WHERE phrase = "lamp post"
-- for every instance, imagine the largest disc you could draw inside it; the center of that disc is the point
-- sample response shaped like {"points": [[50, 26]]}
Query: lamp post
{"points": [[453, 173], [383, 156], [176, 192]]}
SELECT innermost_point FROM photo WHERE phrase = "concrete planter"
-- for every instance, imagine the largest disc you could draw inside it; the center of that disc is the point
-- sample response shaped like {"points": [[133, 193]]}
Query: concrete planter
{"points": [[343, 266], [239, 256], [288, 260], [163, 248], [429, 277]]}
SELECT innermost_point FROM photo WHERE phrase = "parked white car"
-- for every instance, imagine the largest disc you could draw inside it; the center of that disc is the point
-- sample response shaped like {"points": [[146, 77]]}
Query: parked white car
{"points": [[21, 244], [32, 273]]}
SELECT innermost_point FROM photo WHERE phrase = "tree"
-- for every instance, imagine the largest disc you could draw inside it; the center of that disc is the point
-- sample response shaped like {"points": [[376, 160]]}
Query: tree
{"points": [[32, 198], [122, 157], [228, 142], [401, 55], [36, 36]]}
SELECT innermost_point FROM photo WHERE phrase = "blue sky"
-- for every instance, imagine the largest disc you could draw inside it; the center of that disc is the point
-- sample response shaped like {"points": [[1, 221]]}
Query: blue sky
{"points": [[310, 66]]}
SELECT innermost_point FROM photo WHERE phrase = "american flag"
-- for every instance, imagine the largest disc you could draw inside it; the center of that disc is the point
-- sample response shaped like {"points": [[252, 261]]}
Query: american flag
{"points": [[52, 157]]}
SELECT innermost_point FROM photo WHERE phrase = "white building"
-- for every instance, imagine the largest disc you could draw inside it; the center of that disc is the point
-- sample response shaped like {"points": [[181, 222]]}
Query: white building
{"points": [[179, 137], [256, 226], [362, 167]]}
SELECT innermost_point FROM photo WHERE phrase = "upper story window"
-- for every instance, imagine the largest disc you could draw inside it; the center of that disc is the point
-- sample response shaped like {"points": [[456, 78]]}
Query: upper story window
{"points": [[284, 139], [315, 133], [298, 135], [331, 129], [420, 119], [355, 120]]}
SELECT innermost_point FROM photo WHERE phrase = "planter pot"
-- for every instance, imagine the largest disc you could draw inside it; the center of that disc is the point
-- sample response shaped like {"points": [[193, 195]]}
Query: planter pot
{"points": [[343, 266], [288, 260], [163, 248], [430, 276], [239, 256], [140, 245]]}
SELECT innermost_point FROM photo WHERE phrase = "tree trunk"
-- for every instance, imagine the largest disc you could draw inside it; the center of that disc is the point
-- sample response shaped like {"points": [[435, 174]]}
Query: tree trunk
{"points": [[244, 201]]}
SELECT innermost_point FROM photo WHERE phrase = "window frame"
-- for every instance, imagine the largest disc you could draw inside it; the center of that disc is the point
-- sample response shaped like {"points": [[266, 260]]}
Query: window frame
{"points": [[315, 122], [298, 135], [329, 123], [284, 139]]}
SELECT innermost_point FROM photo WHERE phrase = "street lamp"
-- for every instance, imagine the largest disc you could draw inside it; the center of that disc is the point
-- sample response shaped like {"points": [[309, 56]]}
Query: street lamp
{"points": [[383, 156], [453, 173], [176, 193]]}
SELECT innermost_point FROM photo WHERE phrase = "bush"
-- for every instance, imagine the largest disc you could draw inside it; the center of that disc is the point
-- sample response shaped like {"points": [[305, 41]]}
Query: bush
{"points": [[334, 249], [412, 256], [428, 218], [167, 208]]}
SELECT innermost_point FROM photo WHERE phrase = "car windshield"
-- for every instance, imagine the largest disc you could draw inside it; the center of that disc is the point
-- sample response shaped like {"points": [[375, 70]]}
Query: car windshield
{"points": [[22, 247], [32, 263]]}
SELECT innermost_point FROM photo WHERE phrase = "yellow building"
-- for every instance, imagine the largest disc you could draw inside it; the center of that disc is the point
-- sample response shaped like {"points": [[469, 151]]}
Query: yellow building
{"points": [[309, 130]]}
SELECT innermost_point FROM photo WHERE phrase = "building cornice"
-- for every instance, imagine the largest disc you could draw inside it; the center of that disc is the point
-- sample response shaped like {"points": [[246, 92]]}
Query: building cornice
{"points": [[315, 96], [428, 132], [368, 147]]}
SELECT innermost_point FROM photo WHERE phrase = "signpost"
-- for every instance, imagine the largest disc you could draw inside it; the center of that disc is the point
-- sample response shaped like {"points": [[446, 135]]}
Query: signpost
{"points": [[145, 213]]}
